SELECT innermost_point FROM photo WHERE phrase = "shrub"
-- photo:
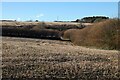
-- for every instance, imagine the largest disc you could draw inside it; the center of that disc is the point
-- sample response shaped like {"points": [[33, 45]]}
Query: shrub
{"points": [[41, 25], [69, 34], [20, 32], [104, 34]]}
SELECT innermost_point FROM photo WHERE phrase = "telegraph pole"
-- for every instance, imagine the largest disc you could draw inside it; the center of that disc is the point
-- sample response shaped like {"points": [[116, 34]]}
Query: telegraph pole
{"points": [[57, 18]]}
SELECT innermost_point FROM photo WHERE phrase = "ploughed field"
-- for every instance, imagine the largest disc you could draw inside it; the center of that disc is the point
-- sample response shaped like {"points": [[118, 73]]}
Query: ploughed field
{"points": [[54, 59]]}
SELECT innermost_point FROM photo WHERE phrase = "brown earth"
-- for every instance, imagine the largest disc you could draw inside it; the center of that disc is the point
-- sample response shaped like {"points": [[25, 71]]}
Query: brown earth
{"points": [[53, 59]]}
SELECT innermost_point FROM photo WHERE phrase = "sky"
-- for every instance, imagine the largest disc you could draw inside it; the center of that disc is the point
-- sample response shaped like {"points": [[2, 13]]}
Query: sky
{"points": [[59, 0], [62, 11]]}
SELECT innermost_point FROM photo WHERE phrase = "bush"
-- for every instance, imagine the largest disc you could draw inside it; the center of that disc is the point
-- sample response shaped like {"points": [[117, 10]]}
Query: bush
{"points": [[19, 32], [69, 34], [104, 35]]}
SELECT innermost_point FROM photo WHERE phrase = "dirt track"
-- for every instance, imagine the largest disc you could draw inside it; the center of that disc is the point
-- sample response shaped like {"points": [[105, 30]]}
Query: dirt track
{"points": [[38, 58]]}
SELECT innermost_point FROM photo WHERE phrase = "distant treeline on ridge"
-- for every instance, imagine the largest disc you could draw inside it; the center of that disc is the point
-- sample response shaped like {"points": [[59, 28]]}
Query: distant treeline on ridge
{"points": [[89, 19]]}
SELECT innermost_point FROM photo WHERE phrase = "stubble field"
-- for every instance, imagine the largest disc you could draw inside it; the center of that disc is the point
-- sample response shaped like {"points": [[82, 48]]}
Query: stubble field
{"points": [[53, 59]]}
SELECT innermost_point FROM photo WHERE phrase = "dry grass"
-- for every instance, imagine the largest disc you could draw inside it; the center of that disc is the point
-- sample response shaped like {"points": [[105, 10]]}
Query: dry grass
{"points": [[36, 23], [69, 34], [51, 60], [104, 35], [43, 25], [46, 30], [10, 24]]}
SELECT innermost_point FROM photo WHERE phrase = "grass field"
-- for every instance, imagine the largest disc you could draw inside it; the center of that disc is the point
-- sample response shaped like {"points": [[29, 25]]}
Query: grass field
{"points": [[54, 59]]}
